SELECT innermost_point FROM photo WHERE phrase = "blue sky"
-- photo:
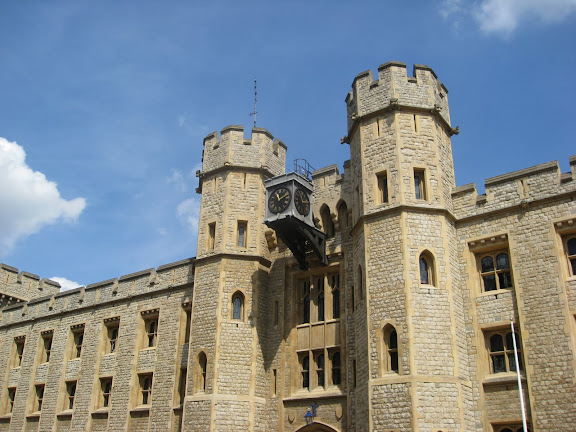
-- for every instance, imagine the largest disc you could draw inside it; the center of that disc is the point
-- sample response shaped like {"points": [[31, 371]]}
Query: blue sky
{"points": [[104, 105]]}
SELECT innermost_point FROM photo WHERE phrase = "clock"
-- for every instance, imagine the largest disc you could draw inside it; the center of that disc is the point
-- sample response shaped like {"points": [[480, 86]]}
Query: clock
{"points": [[279, 200], [302, 202]]}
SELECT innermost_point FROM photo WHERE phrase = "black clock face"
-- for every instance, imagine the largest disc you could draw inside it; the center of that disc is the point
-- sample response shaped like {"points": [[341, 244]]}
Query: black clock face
{"points": [[302, 202], [279, 200]]}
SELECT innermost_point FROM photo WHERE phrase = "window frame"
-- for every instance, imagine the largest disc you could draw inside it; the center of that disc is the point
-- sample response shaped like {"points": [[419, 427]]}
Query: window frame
{"points": [[18, 356], [420, 189], [211, 236], [77, 340], [570, 257], [111, 326], [242, 234], [46, 339], [145, 389], [105, 395], [507, 351], [496, 272], [382, 187], [11, 399], [151, 320], [238, 296], [39, 390], [71, 389], [427, 258], [391, 350]]}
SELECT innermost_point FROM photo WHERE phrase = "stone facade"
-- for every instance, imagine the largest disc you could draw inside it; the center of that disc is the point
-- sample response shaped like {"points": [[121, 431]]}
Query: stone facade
{"points": [[408, 327]]}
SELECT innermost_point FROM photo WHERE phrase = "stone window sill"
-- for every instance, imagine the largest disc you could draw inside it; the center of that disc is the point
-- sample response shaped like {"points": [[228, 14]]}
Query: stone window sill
{"points": [[141, 409], [503, 378], [101, 412], [178, 407], [34, 414], [6, 418], [332, 393], [495, 293], [65, 413]]}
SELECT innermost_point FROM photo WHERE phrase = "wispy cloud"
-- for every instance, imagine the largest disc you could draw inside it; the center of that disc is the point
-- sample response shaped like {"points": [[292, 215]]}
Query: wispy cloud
{"points": [[503, 17], [65, 284], [188, 212], [176, 178], [29, 201]]}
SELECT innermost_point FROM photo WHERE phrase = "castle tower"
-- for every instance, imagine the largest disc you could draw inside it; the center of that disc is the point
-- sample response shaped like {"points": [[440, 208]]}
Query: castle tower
{"points": [[409, 327], [226, 383]]}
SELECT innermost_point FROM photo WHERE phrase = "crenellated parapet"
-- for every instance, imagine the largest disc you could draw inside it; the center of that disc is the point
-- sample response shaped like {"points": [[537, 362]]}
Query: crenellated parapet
{"points": [[521, 188], [229, 149], [130, 286], [394, 90], [16, 287]]}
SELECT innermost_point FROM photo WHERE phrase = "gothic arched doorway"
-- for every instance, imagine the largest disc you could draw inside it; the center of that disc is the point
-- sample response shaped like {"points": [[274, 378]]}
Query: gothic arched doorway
{"points": [[316, 427]]}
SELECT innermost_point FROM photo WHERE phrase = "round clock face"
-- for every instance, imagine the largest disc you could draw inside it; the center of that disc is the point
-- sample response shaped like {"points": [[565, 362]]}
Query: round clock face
{"points": [[279, 200], [302, 202]]}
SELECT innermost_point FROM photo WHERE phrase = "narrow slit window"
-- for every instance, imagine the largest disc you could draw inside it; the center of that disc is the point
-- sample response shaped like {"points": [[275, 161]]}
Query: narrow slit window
{"points": [[242, 231], [382, 179], [211, 236], [419, 184]]}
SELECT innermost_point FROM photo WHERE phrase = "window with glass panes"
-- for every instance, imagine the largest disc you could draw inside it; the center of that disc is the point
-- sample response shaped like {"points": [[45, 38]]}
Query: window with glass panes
{"points": [[495, 271]]}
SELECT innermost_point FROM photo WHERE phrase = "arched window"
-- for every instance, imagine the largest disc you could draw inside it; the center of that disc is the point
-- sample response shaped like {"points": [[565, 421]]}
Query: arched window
{"points": [[391, 348], [201, 377], [327, 223], [426, 265], [238, 306], [336, 365], [342, 215], [305, 372]]}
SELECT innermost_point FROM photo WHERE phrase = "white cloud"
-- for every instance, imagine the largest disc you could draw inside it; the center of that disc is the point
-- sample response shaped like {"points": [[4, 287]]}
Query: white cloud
{"points": [[28, 200], [188, 212], [177, 179], [504, 16], [65, 284]]}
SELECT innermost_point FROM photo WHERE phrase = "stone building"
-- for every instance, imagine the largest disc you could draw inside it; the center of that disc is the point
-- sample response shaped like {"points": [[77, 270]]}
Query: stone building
{"points": [[403, 325]]}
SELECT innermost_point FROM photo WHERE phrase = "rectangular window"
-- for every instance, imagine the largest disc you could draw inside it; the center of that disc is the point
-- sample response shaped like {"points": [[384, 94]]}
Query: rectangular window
{"points": [[570, 247], [495, 271], [242, 232], [182, 385], [274, 382], [145, 381], [47, 337], [18, 350], [39, 396], [11, 398], [501, 350], [419, 184], [77, 340], [276, 312], [105, 392], [211, 236], [70, 395], [112, 327], [382, 179], [150, 318], [335, 285], [188, 313]]}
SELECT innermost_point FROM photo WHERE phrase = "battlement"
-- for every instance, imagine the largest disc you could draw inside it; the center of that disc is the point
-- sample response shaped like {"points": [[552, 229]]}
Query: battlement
{"points": [[229, 149], [518, 188], [128, 286], [395, 90], [21, 286]]}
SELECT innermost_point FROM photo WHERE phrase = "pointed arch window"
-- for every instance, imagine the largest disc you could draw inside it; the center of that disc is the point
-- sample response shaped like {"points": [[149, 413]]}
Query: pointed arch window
{"points": [[426, 266], [343, 215], [327, 222], [238, 306], [201, 375], [391, 349]]}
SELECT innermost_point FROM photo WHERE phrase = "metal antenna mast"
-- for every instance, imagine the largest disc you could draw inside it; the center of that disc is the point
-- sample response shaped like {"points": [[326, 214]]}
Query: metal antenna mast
{"points": [[255, 100]]}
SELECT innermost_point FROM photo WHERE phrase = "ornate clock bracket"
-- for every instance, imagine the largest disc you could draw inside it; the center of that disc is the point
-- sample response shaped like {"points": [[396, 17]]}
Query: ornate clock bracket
{"points": [[300, 239]]}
